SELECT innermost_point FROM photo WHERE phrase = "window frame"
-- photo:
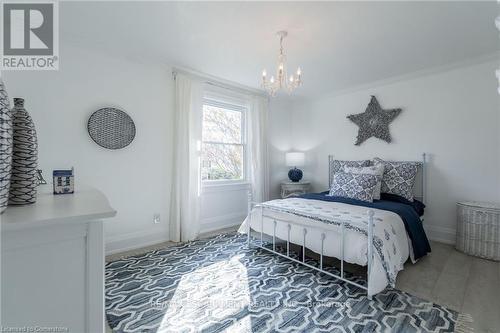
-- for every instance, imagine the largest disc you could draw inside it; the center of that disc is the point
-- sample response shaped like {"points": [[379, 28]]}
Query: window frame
{"points": [[230, 104]]}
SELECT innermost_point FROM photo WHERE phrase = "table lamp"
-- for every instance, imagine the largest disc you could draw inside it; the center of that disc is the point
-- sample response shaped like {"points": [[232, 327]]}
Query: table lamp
{"points": [[295, 159]]}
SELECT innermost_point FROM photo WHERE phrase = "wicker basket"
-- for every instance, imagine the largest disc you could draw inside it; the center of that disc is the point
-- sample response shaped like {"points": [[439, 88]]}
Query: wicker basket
{"points": [[478, 229]]}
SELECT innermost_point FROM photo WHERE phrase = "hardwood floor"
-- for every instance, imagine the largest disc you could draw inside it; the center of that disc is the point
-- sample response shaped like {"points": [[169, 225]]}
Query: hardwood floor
{"points": [[464, 283]]}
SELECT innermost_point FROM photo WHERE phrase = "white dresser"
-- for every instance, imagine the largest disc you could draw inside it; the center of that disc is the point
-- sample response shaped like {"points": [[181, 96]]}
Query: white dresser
{"points": [[52, 269]]}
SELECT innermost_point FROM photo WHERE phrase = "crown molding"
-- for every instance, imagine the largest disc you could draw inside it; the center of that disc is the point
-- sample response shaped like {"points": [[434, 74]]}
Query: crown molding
{"points": [[491, 57], [218, 82]]}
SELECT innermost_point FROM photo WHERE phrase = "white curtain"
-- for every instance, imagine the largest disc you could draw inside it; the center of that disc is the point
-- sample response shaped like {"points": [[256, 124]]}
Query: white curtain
{"points": [[185, 197], [258, 126]]}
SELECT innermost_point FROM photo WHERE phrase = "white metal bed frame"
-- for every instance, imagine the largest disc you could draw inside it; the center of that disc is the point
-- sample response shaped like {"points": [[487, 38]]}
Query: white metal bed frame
{"points": [[289, 223]]}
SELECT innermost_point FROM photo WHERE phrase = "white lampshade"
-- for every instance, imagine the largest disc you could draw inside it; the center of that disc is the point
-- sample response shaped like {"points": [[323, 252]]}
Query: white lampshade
{"points": [[295, 159]]}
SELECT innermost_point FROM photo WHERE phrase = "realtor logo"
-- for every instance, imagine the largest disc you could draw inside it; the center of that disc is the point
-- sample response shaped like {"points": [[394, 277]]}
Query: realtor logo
{"points": [[30, 35]]}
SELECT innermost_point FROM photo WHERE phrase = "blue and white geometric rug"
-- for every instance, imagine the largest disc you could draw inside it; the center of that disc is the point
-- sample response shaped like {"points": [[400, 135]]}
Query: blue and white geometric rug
{"points": [[219, 285]]}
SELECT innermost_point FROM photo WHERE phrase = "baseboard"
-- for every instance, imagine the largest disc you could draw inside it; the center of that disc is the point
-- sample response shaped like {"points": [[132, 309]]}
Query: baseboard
{"points": [[440, 234], [221, 222], [135, 240]]}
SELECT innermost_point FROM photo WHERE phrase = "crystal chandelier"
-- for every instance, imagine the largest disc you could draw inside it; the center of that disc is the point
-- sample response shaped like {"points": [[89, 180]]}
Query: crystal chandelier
{"points": [[282, 80]]}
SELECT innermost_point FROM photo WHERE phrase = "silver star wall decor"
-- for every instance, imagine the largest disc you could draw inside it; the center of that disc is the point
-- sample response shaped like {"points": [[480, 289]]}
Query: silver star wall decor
{"points": [[374, 122]]}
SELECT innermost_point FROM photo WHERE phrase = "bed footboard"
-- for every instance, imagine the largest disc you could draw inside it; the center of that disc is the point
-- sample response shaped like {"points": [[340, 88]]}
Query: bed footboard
{"points": [[305, 231]]}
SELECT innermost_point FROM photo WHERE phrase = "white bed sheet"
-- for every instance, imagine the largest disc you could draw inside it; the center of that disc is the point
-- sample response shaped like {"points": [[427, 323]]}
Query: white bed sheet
{"points": [[355, 246]]}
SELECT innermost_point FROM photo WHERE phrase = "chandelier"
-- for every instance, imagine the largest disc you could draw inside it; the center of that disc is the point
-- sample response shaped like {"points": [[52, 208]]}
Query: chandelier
{"points": [[282, 80]]}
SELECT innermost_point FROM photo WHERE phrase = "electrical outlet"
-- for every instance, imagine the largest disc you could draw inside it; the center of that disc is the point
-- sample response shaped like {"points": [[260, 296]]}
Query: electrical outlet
{"points": [[156, 218]]}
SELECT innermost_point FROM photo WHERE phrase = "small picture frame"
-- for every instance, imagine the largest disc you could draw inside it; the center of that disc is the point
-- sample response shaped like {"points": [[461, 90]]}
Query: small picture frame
{"points": [[64, 181]]}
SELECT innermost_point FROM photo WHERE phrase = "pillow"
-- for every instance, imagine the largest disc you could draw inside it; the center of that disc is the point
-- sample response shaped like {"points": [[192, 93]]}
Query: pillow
{"points": [[399, 177], [377, 170], [338, 166], [355, 186]]}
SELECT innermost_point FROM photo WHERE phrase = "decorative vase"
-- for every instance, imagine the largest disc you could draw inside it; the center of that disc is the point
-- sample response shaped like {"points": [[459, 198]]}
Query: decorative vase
{"points": [[23, 181], [5, 147], [295, 175]]}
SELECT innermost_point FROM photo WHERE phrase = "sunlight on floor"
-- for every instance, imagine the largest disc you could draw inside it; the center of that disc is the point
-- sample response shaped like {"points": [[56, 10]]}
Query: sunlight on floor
{"points": [[210, 292]]}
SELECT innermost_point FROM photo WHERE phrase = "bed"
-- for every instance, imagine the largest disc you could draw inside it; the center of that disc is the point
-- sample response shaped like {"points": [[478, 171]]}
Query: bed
{"points": [[380, 235]]}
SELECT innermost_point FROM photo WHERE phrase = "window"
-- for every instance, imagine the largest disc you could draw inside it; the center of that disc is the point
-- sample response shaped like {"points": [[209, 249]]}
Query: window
{"points": [[223, 142]]}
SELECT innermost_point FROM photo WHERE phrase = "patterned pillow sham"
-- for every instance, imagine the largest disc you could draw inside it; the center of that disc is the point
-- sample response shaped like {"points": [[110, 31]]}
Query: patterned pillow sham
{"points": [[377, 170], [399, 177], [355, 186], [339, 165]]}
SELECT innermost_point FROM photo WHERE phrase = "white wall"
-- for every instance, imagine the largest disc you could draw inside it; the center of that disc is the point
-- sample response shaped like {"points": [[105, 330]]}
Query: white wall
{"points": [[281, 111], [223, 206], [136, 179], [452, 115]]}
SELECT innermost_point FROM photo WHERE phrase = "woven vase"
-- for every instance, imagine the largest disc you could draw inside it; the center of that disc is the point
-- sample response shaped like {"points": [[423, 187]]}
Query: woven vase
{"points": [[23, 181], [5, 147]]}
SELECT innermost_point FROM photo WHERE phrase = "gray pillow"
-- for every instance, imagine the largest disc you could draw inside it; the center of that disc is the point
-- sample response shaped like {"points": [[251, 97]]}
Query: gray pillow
{"points": [[399, 177], [355, 186], [377, 170]]}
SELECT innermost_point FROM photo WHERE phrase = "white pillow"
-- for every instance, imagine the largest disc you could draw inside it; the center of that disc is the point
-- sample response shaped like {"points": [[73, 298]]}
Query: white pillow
{"points": [[376, 170]]}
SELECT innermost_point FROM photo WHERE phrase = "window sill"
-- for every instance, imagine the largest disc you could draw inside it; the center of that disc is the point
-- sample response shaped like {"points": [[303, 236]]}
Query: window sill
{"points": [[224, 186]]}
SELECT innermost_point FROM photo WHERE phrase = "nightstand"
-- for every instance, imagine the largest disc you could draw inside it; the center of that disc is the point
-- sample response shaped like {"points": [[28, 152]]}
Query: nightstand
{"points": [[293, 189]]}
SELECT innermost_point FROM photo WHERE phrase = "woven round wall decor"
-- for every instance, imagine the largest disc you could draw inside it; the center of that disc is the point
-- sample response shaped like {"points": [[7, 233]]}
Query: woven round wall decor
{"points": [[111, 128]]}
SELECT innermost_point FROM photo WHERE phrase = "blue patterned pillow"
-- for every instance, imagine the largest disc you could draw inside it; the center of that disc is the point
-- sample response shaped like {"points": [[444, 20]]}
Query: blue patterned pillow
{"points": [[355, 186], [377, 170], [339, 165], [399, 177]]}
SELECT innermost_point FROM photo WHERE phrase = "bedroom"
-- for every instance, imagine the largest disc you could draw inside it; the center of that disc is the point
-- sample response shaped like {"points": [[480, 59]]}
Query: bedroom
{"points": [[159, 117]]}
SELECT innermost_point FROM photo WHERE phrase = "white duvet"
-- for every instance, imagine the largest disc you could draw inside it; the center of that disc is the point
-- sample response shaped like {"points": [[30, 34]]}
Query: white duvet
{"points": [[391, 242]]}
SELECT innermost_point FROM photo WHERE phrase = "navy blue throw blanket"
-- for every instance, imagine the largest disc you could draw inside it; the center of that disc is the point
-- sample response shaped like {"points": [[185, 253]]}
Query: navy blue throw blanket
{"points": [[406, 211]]}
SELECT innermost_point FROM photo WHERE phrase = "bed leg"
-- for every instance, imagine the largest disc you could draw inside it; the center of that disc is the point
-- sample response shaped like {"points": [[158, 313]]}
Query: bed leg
{"points": [[248, 230], [249, 214], [342, 251], [371, 213], [288, 241], [323, 236], [304, 245], [261, 225], [274, 235]]}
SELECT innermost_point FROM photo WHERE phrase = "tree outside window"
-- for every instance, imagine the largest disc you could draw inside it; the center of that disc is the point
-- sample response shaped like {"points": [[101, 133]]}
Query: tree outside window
{"points": [[223, 146]]}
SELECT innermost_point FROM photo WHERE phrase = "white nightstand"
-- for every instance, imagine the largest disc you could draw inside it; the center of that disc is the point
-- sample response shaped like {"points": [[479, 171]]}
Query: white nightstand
{"points": [[293, 189]]}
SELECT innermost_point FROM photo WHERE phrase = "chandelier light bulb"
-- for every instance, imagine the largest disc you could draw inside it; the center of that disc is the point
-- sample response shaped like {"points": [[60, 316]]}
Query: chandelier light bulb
{"points": [[272, 79], [497, 22], [299, 71], [291, 78]]}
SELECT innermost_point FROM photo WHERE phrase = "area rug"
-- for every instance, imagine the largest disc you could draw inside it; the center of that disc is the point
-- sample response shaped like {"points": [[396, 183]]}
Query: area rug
{"points": [[220, 285]]}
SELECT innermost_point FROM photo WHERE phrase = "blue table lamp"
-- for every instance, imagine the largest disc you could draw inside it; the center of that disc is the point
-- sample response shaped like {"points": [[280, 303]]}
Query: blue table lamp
{"points": [[295, 159]]}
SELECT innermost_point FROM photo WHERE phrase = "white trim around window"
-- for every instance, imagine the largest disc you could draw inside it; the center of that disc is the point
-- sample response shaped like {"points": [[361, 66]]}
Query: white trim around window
{"points": [[233, 102]]}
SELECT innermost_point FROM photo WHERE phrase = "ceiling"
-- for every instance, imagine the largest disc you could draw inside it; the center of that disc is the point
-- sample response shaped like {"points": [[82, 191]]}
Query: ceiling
{"points": [[338, 44]]}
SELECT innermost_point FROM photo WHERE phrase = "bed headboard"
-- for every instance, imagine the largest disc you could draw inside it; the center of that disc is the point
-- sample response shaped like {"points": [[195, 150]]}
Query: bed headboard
{"points": [[420, 188]]}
